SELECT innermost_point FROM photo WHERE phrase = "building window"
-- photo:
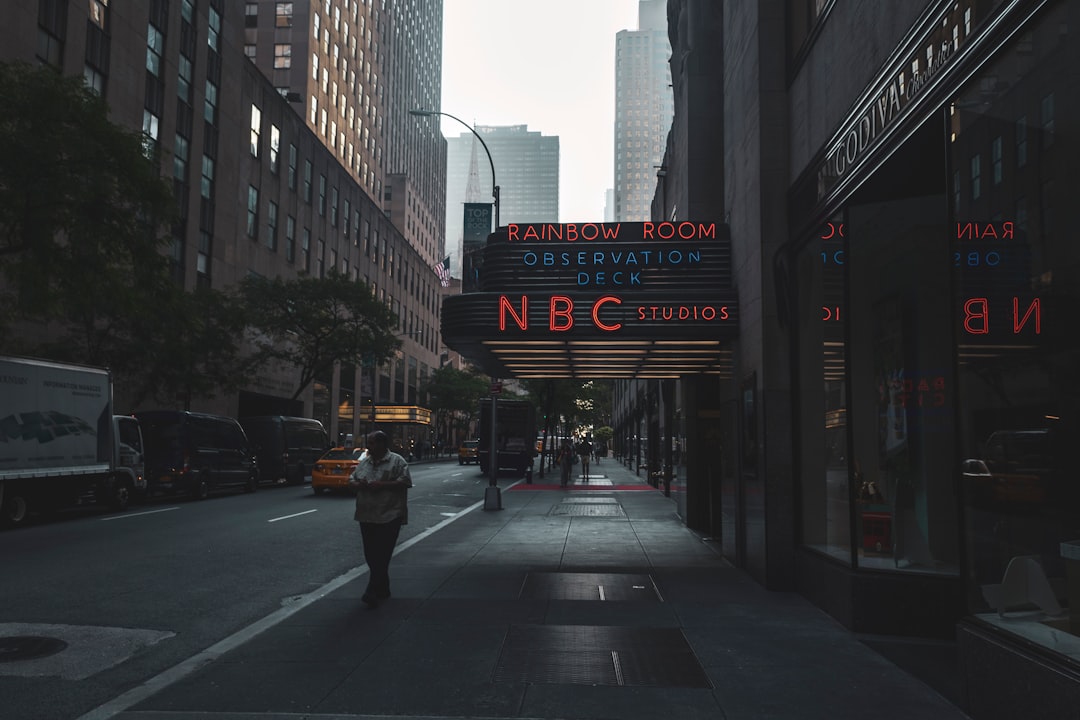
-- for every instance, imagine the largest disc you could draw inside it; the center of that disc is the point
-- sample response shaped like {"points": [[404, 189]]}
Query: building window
{"points": [[333, 206], [52, 27], [213, 29], [206, 185], [256, 123], [995, 159], [210, 108], [292, 166], [322, 195], [151, 123], [183, 78], [305, 250], [290, 238], [251, 15], [94, 79], [249, 51], [180, 158], [1048, 120], [98, 12], [282, 56], [283, 14], [275, 147], [307, 181], [253, 212], [976, 177], [155, 44], [271, 224]]}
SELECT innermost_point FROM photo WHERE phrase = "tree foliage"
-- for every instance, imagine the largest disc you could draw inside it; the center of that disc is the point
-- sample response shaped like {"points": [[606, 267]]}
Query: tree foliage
{"points": [[311, 323], [81, 208], [455, 395]]}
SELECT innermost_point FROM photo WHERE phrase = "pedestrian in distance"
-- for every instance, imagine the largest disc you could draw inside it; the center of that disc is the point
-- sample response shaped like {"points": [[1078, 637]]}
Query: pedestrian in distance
{"points": [[584, 449], [381, 481], [565, 460]]}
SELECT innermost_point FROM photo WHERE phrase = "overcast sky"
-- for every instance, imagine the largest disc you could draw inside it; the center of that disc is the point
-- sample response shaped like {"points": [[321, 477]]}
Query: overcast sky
{"points": [[547, 64]]}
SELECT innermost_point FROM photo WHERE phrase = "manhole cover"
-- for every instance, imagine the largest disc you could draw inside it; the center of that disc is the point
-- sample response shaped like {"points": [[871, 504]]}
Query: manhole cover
{"points": [[29, 647]]}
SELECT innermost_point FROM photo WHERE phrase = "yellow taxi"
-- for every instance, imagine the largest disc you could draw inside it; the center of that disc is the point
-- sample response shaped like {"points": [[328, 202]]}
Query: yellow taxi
{"points": [[468, 452], [333, 469]]}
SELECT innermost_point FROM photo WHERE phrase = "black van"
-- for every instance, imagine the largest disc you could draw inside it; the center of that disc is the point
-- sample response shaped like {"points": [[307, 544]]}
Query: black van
{"points": [[286, 447], [195, 454]]}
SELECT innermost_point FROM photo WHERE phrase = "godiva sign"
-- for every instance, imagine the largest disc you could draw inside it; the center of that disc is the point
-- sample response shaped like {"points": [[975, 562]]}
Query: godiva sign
{"points": [[898, 86]]}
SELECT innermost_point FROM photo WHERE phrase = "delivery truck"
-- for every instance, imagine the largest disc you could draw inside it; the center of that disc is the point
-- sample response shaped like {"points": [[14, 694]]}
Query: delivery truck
{"points": [[60, 444], [515, 434]]}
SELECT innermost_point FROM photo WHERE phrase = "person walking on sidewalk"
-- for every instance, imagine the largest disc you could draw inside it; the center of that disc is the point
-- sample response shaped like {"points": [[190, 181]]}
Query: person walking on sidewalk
{"points": [[565, 460], [584, 449], [381, 481]]}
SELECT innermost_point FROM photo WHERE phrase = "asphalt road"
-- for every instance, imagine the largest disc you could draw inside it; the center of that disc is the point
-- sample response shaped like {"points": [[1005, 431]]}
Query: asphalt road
{"points": [[135, 593]]}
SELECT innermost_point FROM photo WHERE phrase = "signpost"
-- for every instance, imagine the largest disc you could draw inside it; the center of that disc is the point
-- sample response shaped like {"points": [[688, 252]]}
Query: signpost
{"points": [[492, 493]]}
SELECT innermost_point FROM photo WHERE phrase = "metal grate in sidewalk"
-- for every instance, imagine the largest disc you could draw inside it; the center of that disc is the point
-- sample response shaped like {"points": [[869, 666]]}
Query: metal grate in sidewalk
{"points": [[613, 587], [599, 655]]}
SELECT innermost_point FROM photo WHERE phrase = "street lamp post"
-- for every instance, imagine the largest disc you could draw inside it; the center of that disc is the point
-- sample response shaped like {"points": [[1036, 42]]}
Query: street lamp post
{"points": [[494, 183]]}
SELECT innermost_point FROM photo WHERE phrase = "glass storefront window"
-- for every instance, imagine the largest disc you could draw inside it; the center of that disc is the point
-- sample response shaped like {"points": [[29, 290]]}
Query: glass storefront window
{"points": [[826, 488], [1016, 266], [902, 382]]}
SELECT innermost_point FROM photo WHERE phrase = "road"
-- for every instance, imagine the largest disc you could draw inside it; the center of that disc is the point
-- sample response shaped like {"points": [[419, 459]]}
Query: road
{"points": [[136, 593]]}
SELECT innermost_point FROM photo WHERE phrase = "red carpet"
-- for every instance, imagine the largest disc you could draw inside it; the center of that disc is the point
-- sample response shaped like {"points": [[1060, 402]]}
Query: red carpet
{"points": [[581, 486]]}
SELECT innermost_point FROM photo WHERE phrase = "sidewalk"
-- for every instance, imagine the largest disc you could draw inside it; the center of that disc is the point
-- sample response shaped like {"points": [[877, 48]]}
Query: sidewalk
{"points": [[589, 602]]}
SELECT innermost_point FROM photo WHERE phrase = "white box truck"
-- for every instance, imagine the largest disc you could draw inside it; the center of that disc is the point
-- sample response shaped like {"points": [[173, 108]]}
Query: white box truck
{"points": [[60, 444]]}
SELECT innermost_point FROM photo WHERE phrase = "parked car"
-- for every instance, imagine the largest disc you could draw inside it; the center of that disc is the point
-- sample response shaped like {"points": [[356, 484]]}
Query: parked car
{"points": [[195, 453], [286, 448], [333, 469], [468, 452]]}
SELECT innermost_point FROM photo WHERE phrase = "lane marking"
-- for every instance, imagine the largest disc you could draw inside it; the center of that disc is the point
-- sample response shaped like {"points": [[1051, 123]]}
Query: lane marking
{"points": [[181, 670], [148, 512], [286, 517]]}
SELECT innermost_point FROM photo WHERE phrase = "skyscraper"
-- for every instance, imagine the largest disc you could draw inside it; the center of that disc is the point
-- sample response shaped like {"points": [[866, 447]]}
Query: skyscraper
{"points": [[526, 168], [355, 68], [644, 108]]}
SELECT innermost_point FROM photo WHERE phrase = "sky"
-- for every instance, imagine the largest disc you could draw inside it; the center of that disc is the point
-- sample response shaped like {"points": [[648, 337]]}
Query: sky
{"points": [[548, 64]]}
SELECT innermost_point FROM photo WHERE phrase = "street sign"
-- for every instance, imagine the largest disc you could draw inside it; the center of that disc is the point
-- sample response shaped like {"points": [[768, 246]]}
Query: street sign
{"points": [[496, 387]]}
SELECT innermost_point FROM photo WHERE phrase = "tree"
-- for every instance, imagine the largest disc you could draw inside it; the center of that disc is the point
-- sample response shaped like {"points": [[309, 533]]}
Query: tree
{"points": [[81, 208], [200, 354], [456, 395], [311, 323]]}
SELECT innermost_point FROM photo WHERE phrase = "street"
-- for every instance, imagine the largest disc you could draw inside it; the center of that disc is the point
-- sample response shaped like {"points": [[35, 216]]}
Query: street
{"points": [[136, 593]]}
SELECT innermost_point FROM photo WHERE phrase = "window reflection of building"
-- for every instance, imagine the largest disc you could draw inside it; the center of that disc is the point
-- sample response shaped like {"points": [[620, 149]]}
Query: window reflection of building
{"points": [[1014, 292]]}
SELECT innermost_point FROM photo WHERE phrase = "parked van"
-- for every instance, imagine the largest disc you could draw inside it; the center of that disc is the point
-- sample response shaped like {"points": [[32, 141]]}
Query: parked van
{"points": [[286, 448], [196, 454]]}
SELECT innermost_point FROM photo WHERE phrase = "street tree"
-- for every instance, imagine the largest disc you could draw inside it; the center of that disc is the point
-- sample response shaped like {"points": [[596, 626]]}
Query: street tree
{"points": [[455, 395], [82, 209], [310, 323]]}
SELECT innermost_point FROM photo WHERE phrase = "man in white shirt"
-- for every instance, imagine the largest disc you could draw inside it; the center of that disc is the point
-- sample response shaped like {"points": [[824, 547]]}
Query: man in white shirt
{"points": [[382, 481]]}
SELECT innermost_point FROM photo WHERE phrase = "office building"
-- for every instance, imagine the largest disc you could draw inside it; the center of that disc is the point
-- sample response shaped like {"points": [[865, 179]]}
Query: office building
{"points": [[526, 168], [643, 110], [259, 190]]}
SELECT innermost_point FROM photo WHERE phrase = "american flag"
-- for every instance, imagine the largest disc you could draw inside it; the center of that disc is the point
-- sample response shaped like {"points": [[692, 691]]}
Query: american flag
{"points": [[443, 271]]}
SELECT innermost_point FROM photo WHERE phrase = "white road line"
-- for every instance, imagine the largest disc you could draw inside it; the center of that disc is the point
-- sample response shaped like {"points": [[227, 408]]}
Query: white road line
{"points": [[186, 667], [148, 512], [286, 517]]}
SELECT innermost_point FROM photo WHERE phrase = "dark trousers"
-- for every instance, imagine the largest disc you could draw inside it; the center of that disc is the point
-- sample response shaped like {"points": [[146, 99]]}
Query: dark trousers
{"points": [[379, 541]]}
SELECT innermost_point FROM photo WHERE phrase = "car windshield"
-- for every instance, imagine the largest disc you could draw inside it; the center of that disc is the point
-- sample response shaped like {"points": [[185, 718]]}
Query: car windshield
{"points": [[470, 443], [343, 454]]}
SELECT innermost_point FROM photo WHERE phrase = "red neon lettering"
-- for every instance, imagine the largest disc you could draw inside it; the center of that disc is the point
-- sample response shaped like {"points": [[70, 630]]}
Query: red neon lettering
{"points": [[522, 320], [1018, 323], [596, 312], [566, 311], [512, 232], [611, 232], [975, 309]]}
